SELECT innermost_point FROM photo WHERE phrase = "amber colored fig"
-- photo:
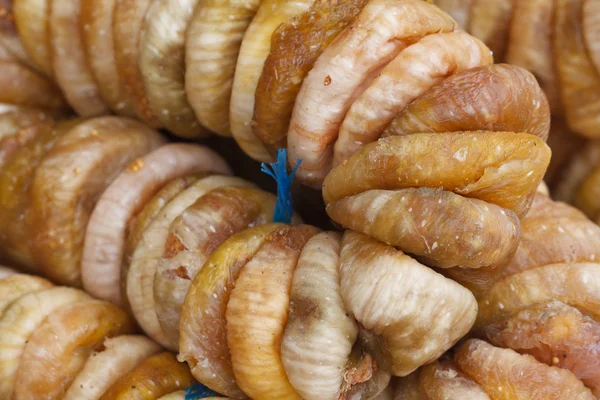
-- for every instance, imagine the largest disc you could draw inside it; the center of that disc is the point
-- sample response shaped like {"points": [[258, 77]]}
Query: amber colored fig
{"points": [[591, 30], [31, 19], [490, 21], [9, 36], [460, 10]]}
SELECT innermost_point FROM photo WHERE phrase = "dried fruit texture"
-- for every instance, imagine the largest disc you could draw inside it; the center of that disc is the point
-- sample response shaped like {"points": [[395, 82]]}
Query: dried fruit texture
{"points": [[192, 238], [203, 327], [555, 334], [580, 81], [412, 73], [69, 63], [31, 19], [530, 45], [139, 275], [212, 44], [579, 182], [443, 380], [159, 375], [96, 23], [9, 37], [391, 296], [16, 214], [505, 374], [508, 99], [591, 30], [490, 21], [128, 18], [102, 369], [162, 64], [105, 235], [257, 313], [26, 88], [68, 183], [14, 285], [253, 53], [553, 232], [319, 334], [20, 321], [295, 46], [346, 68], [57, 352]]}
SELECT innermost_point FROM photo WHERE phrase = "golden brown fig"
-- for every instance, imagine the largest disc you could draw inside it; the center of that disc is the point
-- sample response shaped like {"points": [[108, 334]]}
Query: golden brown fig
{"points": [[60, 346], [14, 285], [203, 339], [580, 81], [507, 375], [591, 30], [119, 356], [139, 278], [253, 53], [31, 19], [158, 375], [295, 46], [490, 21], [69, 63], [70, 180], [460, 10], [9, 37], [102, 255], [418, 68], [501, 168], [162, 64], [16, 214], [508, 99], [192, 238], [96, 24], [555, 334], [576, 172], [564, 144], [530, 45], [128, 17], [257, 312], [26, 88], [395, 298], [213, 41], [20, 321], [345, 69], [443, 380]]}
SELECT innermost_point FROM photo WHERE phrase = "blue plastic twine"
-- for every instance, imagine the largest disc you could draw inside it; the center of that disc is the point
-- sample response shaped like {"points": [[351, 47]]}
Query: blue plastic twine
{"points": [[284, 208], [198, 391]]}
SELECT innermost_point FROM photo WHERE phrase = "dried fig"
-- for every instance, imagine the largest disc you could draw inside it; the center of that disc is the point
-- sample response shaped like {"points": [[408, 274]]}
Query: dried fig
{"points": [[31, 18]]}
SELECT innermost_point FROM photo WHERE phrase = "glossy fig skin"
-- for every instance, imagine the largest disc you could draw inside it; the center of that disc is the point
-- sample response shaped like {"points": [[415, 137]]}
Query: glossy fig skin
{"points": [[508, 99], [295, 47]]}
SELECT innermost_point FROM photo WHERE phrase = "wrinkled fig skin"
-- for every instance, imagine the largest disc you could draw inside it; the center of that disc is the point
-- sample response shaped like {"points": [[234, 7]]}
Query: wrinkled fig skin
{"points": [[580, 81], [441, 228], [395, 298], [157, 376], [56, 352], [507, 375], [203, 339], [508, 99], [14, 285], [501, 168], [443, 380], [193, 236], [69, 181], [257, 313], [128, 18], [9, 37], [555, 334], [162, 60], [591, 30], [295, 47], [31, 19], [213, 40]]}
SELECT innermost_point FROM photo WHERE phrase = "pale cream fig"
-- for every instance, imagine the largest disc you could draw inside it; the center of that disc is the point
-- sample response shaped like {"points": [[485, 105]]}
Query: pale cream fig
{"points": [[96, 22], [58, 349], [193, 236], [31, 19], [444, 380], [103, 248], [102, 369], [212, 44], [252, 55], [20, 321], [69, 63], [14, 285], [69, 181], [5, 272], [162, 65], [139, 278], [157, 376]]}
